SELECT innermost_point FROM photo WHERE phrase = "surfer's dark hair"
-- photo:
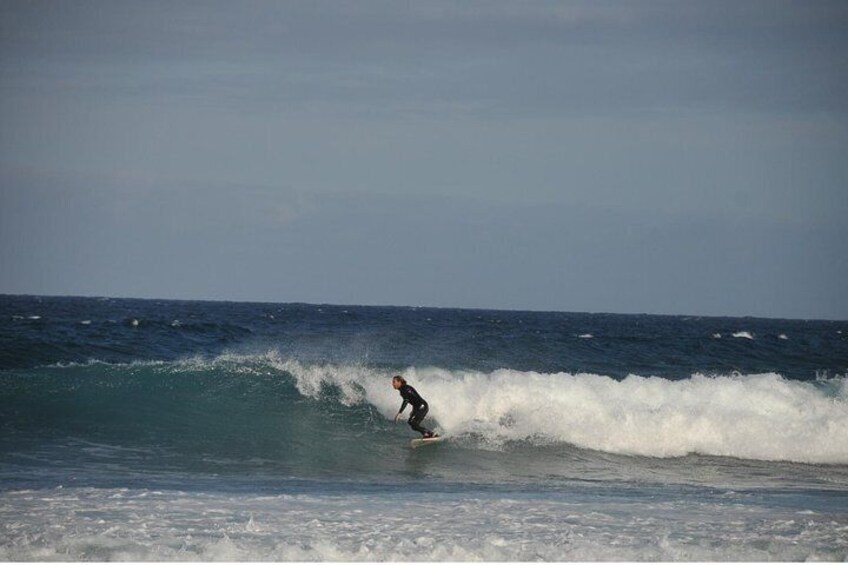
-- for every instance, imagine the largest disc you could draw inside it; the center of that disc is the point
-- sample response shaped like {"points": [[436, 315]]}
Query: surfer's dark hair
{"points": [[399, 378]]}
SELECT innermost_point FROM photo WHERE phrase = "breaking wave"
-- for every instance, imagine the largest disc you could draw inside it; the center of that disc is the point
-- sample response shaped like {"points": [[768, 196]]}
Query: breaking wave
{"points": [[262, 401]]}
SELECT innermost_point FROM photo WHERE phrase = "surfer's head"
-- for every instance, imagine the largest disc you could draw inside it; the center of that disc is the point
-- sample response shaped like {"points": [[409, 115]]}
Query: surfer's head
{"points": [[398, 381]]}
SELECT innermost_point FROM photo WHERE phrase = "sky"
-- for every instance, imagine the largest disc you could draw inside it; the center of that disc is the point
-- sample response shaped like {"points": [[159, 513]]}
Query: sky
{"points": [[634, 157]]}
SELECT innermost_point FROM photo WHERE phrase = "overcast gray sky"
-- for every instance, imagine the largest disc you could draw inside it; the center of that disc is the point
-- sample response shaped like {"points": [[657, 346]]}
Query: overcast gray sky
{"points": [[660, 157]]}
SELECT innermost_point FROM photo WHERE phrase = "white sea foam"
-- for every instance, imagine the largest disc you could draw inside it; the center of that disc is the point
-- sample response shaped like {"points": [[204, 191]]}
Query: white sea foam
{"points": [[743, 335], [87, 524], [763, 417]]}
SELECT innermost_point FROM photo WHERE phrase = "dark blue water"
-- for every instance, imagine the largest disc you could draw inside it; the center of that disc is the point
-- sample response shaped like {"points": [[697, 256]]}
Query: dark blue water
{"points": [[39, 331], [595, 421]]}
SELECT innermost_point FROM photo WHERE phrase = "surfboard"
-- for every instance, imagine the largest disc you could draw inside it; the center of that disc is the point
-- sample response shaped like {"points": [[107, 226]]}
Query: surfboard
{"points": [[422, 441]]}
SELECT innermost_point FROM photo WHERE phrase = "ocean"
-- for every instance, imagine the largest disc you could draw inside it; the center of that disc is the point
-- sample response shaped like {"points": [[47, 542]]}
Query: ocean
{"points": [[156, 430]]}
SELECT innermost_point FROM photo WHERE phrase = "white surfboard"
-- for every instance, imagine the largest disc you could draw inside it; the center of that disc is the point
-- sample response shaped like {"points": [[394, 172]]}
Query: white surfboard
{"points": [[424, 441]]}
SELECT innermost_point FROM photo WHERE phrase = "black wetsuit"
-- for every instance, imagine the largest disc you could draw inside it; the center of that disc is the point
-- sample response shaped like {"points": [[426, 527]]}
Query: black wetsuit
{"points": [[419, 408]]}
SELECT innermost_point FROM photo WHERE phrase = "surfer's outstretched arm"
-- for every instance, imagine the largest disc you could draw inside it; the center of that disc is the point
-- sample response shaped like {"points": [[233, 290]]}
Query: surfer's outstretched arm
{"points": [[402, 408]]}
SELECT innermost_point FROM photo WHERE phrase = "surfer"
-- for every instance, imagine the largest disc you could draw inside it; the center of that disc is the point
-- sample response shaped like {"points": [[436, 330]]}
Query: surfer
{"points": [[419, 406]]}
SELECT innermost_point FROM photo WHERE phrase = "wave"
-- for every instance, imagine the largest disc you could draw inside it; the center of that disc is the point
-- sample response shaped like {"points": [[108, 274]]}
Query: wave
{"points": [[270, 402], [761, 417]]}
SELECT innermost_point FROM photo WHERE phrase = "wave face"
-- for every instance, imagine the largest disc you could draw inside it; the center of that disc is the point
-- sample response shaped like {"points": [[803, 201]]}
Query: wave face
{"points": [[254, 412]]}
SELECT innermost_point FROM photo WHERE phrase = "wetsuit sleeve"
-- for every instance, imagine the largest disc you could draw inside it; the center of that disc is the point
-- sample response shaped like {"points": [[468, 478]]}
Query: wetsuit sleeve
{"points": [[406, 393]]}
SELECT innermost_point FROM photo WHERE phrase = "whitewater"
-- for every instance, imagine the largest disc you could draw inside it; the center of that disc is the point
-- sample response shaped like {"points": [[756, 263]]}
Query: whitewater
{"points": [[746, 416], [184, 431]]}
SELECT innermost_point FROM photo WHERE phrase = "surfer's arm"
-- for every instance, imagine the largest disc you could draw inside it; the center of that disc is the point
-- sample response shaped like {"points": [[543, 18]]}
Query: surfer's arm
{"points": [[404, 393], [402, 408]]}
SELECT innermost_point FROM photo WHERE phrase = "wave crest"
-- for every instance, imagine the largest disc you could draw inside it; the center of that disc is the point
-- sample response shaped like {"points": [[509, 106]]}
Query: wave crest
{"points": [[760, 416]]}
